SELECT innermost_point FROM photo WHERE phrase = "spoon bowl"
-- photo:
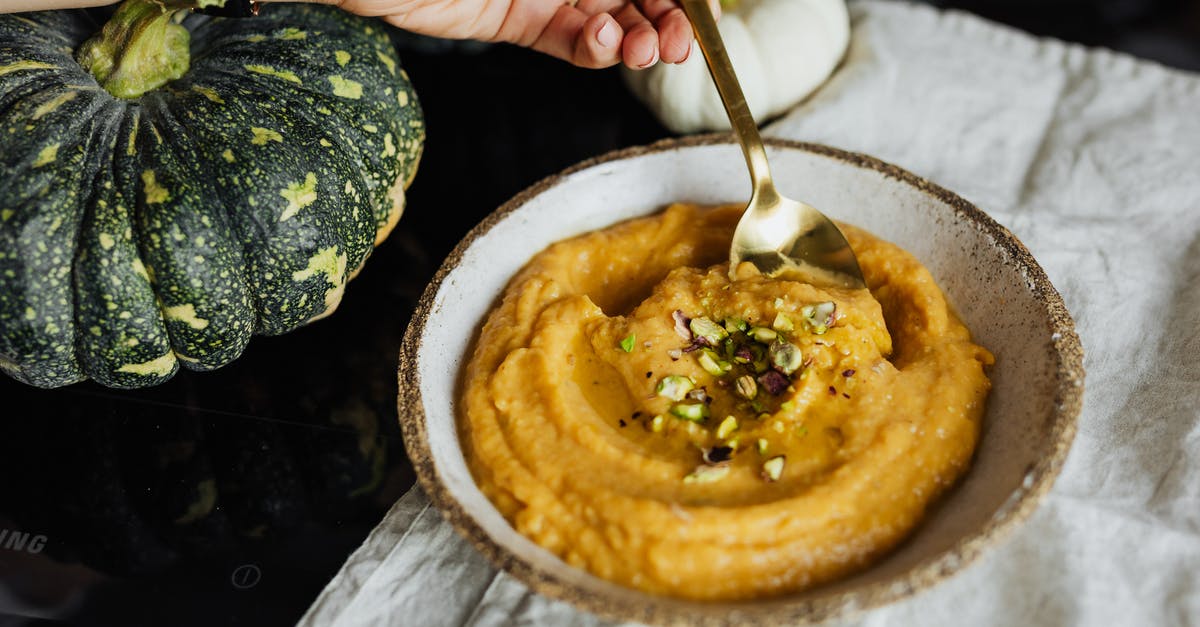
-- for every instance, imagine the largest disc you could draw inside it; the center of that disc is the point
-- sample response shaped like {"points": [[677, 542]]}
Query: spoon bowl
{"points": [[778, 236]]}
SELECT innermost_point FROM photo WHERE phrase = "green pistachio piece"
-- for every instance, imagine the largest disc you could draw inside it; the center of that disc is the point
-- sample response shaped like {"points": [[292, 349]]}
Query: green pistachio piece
{"points": [[711, 332], [733, 325], [707, 474], [762, 334], [695, 412], [773, 468], [785, 356], [708, 361], [674, 387], [627, 343], [656, 423], [819, 317], [727, 426], [782, 323], [762, 447], [746, 387]]}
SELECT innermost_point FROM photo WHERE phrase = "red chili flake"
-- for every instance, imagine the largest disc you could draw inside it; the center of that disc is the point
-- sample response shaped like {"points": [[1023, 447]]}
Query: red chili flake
{"points": [[622, 421], [848, 373], [636, 415], [845, 394], [833, 390], [649, 375]]}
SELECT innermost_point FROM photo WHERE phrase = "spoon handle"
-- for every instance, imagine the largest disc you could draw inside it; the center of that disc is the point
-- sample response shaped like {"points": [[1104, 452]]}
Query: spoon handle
{"points": [[740, 118]]}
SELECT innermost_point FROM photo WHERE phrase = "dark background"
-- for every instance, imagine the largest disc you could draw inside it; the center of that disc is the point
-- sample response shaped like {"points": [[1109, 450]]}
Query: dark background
{"points": [[292, 454]]}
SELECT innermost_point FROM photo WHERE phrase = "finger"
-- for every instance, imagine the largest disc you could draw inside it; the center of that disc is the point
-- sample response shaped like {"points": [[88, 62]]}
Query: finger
{"points": [[639, 50], [587, 41], [674, 30], [592, 7]]}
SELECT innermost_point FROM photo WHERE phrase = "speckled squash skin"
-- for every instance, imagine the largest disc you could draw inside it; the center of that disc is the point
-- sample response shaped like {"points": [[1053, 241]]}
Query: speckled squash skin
{"points": [[138, 236]]}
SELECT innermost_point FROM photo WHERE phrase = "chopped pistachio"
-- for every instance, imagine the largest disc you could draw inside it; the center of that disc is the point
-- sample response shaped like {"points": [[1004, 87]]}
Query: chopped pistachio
{"points": [[732, 443], [708, 361], [627, 343], [762, 446], [705, 329], [773, 382], [787, 406], [707, 474], [743, 355], [681, 325], [778, 303], [656, 423], [773, 468], [727, 426], [819, 317], [762, 334], [674, 387], [747, 388], [699, 394], [694, 412], [760, 366], [785, 356], [782, 323], [733, 325]]}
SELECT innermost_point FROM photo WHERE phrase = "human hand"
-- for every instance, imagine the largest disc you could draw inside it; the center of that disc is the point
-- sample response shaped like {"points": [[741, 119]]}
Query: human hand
{"points": [[587, 33]]}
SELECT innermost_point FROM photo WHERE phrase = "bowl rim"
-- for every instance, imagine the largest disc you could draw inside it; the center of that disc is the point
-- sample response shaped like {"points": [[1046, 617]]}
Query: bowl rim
{"points": [[1068, 402]]}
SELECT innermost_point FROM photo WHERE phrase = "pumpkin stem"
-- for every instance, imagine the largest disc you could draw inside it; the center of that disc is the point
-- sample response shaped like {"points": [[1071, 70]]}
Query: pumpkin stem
{"points": [[141, 48]]}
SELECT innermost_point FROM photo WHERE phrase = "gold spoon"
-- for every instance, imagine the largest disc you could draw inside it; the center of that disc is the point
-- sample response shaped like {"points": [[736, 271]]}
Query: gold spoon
{"points": [[781, 237]]}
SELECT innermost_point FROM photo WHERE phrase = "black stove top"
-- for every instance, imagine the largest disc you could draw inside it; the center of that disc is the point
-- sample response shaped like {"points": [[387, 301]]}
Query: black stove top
{"points": [[233, 496]]}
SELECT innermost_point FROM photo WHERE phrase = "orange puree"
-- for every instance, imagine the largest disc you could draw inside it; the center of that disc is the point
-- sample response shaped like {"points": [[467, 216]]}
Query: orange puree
{"points": [[769, 436]]}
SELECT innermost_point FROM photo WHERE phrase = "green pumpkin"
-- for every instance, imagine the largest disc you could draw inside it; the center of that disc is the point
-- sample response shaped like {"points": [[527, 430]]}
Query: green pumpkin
{"points": [[170, 187]]}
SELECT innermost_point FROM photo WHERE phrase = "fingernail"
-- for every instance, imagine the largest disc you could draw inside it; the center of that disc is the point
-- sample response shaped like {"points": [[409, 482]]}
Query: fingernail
{"points": [[652, 61], [607, 35], [687, 54]]}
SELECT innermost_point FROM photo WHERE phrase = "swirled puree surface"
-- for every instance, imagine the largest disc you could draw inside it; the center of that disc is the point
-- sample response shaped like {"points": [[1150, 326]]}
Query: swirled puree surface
{"points": [[633, 410]]}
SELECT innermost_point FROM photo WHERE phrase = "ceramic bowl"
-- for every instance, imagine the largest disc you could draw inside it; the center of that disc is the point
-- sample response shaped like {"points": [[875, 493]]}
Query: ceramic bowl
{"points": [[991, 279]]}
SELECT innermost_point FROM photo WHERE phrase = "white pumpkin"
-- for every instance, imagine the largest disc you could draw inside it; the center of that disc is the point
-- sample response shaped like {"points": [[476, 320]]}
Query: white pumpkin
{"points": [[782, 50]]}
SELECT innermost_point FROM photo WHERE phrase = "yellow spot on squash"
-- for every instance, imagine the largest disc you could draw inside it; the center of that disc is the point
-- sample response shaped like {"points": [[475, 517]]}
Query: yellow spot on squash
{"points": [[342, 57], [388, 61], [402, 98], [389, 149], [227, 155], [370, 128], [256, 38], [47, 156], [346, 88], [185, 314], [131, 342], [131, 149], [299, 195], [25, 65], [325, 142], [30, 314], [107, 241], [328, 262], [264, 135], [140, 269], [159, 366], [95, 331], [291, 33], [208, 92], [6, 214], [267, 70], [155, 193], [54, 103]]}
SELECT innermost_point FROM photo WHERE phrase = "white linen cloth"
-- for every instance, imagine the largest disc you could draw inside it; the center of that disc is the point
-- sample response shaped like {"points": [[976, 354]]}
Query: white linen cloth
{"points": [[1093, 160]]}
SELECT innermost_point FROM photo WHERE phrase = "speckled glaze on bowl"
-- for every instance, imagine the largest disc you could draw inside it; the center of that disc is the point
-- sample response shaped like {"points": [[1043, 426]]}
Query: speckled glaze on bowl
{"points": [[999, 290]]}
